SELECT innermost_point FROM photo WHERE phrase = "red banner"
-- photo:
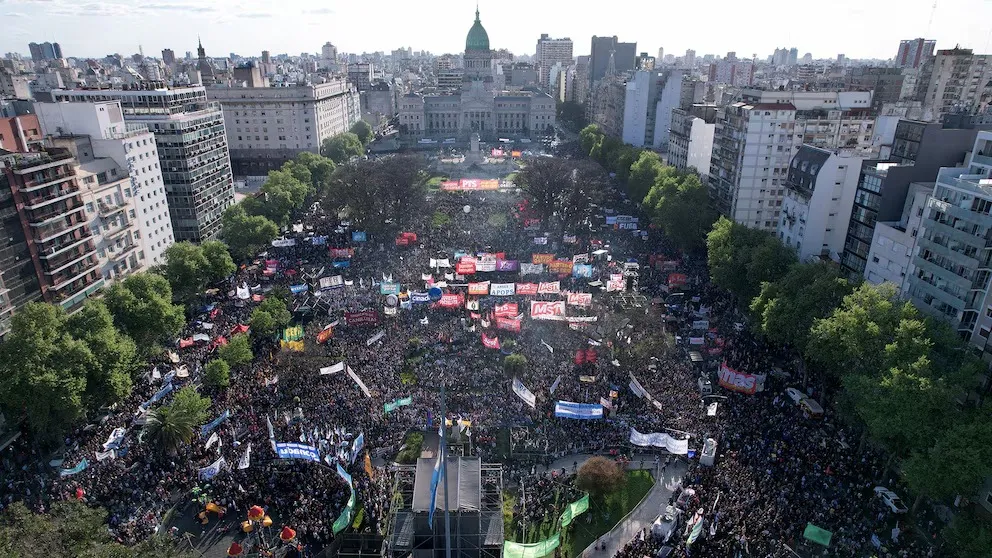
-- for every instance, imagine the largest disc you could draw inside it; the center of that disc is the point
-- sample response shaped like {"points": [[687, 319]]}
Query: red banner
{"points": [[580, 357], [737, 381], [508, 324], [449, 185], [325, 335], [590, 355], [366, 317], [542, 258], [527, 289], [342, 252], [451, 300], [677, 280], [508, 310], [579, 299], [549, 288], [560, 266], [465, 266], [490, 342], [540, 310], [478, 288]]}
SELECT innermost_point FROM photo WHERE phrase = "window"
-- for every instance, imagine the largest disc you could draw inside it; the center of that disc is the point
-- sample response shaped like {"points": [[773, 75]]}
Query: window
{"points": [[984, 332]]}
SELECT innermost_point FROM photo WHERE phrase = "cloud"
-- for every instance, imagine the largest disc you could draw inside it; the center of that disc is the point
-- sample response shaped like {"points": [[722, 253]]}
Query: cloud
{"points": [[321, 11], [178, 8], [253, 15], [15, 14]]}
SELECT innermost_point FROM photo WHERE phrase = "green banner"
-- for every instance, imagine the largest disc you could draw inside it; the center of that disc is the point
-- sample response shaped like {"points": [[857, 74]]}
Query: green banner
{"points": [[390, 407], [696, 531], [574, 510], [343, 520], [294, 333], [817, 535], [535, 550]]}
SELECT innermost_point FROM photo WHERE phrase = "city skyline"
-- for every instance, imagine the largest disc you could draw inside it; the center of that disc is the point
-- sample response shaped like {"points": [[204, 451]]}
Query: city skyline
{"points": [[92, 30]]}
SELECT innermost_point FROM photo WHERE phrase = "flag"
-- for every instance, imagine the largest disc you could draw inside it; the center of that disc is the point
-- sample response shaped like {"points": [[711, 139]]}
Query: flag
{"points": [[711, 409], [272, 434], [214, 438], [368, 466], [436, 477], [245, 459]]}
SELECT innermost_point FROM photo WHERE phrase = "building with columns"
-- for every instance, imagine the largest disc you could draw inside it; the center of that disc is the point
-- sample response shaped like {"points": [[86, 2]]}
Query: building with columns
{"points": [[480, 105]]}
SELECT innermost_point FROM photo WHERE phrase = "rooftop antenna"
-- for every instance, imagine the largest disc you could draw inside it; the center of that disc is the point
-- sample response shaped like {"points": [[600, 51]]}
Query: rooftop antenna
{"points": [[933, 10]]}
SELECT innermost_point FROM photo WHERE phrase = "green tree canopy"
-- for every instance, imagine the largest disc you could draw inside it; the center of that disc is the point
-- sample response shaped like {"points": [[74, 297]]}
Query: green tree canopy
{"points": [[115, 356], [958, 463], [741, 259], [785, 310], [217, 374], [515, 364], [142, 306], [678, 203], [968, 535], [171, 426], [237, 351], [321, 169], [589, 137], [262, 323], [342, 147], [562, 192], [247, 235], [220, 266], [382, 195], [281, 194], [363, 131], [276, 307], [644, 174], [600, 476], [187, 269]]}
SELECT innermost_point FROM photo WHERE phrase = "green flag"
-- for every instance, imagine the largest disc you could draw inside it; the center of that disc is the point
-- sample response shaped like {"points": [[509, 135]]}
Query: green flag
{"points": [[697, 529], [535, 550], [390, 407], [817, 535], [574, 510]]}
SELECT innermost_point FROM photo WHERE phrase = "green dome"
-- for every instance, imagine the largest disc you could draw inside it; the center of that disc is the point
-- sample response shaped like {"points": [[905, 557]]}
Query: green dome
{"points": [[477, 38]]}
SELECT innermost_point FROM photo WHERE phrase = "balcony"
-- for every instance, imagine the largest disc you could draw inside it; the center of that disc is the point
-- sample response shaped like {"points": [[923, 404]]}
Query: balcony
{"points": [[36, 202], [62, 209], [52, 251], [50, 179], [984, 160], [106, 210], [66, 260], [75, 272], [48, 232]]}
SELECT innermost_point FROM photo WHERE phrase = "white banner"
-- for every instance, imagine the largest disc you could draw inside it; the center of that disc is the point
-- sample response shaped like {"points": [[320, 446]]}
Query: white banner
{"points": [[245, 460], [554, 386], [360, 383], [550, 350], [523, 393], [502, 289], [540, 310], [378, 335], [659, 440], [339, 367], [579, 299], [485, 264], [549, 288], [531, 269], [700, 324]]}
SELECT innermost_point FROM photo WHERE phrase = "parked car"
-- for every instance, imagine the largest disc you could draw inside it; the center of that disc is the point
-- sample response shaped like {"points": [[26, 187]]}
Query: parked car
{"points": [[811, 409], [891, 500], [686, 499], [666, 524], [795, 395]]}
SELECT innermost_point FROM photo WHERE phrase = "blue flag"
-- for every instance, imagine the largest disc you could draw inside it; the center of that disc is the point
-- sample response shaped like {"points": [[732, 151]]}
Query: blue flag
{"points": [[436, 476]]}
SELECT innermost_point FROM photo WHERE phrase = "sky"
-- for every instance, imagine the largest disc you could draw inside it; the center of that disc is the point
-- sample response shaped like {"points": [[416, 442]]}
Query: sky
{"points": [[856, 28]]}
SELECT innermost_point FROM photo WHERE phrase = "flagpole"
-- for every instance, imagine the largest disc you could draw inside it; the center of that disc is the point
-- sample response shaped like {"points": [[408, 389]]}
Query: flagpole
{"points": [[444, 476]]}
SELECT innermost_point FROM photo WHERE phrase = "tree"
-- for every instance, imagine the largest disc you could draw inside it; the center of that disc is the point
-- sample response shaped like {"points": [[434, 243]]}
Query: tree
{"points": [[301, 173], [247, 235], [514, 364], [644, 173], [589, 137], [186, 268], [237, 351], [562, 192], [958, 463], [217, 374], [220, 266], [600, 476], [741, 259], [968, 536], [785, 310], [173, 425], [261, 322], [321, 169], [115, 356], [342, 147], [142, 307], [43, 372], [276, 307], [678, 203], [382, 195], [281, 194], [363, 131]]}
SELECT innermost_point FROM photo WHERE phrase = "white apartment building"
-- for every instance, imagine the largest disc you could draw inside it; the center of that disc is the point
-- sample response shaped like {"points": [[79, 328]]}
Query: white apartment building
{"points": [[819, 193], [893, 243], [120, 182], [756, 138], [651, 96], [548, 53], [267, 126], [956, 79], [690, 144]]}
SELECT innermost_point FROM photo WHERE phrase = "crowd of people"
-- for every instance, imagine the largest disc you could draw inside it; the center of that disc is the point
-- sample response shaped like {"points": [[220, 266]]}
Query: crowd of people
{"points": [[774, 473]]}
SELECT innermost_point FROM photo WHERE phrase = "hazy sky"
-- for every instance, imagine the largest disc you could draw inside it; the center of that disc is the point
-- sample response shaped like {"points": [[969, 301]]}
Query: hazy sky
{"points": [[857, 28]]}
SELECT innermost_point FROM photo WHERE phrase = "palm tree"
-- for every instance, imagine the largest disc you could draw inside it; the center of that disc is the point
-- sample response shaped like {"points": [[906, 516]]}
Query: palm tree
{"points": [[170, 426]]}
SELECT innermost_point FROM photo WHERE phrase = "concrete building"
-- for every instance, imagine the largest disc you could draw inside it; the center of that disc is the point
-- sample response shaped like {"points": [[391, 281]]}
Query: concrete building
{"points": [[624, 57], [120, 181], [819, 193], [267, 126], [690, 145], [168, 56], [580, 83], [689, 60], [952, 264], [893, 243], [46, 194], [913, 53], [756, 139], [360, 74], [192, 150], [19, 283], [605, 105], [379, 102], [14, 86], [730, 70], [651, 96], [955, 80], [521, 74], [550, 52], [45, 51], [20, 131], [886, 84], [918, 151]]}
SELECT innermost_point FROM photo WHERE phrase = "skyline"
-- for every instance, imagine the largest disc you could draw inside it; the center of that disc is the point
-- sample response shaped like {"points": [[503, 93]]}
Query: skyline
{"points": [[93, 30]]}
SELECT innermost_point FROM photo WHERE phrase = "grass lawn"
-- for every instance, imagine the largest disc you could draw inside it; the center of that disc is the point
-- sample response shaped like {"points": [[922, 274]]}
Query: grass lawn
{"points": [[434, 182], [414, 443], [589, 526]]}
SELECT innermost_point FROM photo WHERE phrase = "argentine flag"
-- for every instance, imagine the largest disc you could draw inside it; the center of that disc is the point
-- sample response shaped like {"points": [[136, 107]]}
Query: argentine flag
{"points": [[436, 477]]}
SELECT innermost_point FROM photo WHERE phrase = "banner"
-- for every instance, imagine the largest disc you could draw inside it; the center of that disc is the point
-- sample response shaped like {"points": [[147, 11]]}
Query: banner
{"points": [[451, 300], [700, 324], [531, 269], [210, 471], [508, 324], [365, 317], [580, 258], [292, 450], [502, 289], [324, 335], [527, 289], [660, 440], [420, 298], [540, 240], [341, 264], [738, 381], [297, 289], [542, 258], [343, 520], [606, 403], [440, 263], [356, 447], [507, 265], [582, 270], [579, 411], [570, 239], [697, 341], [283, 243], [207, 428], [397, 403], [245, 460], [478, 288], [339, 367], [534, 550], [554, 386], [378, 335], [549, 288], [587, 379], [574, 510], [486, 264], [540, 310], [328, 283], [359, 382], [508, 310], [563, 267], [389, 288], [159, 394], [579, 299], [79, 468], [676, 280], [548, 347], [523, 393], [490, 342], [465, 266]]}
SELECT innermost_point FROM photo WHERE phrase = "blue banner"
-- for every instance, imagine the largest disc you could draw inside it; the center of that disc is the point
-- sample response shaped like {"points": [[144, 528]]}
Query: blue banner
{"points": [[386, 288], [77, 469], [292, 450], [357, 446], [459, 254], [159, 395], [420, 298], [319, 240], [579, 411], [206, 428], [297, 289], [343, 263], [582, 270], [358, 236]]}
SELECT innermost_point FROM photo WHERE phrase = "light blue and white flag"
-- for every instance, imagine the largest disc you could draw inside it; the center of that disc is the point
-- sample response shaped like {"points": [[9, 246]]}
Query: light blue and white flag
{"points": [[210, 471], [436, 477], [207, 428], [579, 411]]}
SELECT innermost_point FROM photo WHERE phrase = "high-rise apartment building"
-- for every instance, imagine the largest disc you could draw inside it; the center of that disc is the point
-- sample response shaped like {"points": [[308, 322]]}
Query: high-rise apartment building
{"points": [[168, 56], [650, 98], [192, 150], [45, 51], [730, 70], [913, 53], [955, 80], [689, 60], [550, 52], [756, 139], [624, 57], [267, 126], [120, 181], [885, 83], [690, 144], [580, 85], [360, 75]]}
